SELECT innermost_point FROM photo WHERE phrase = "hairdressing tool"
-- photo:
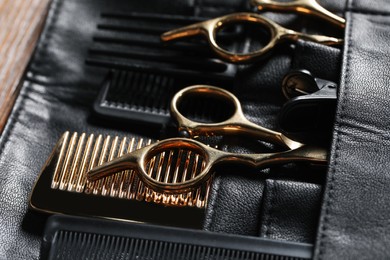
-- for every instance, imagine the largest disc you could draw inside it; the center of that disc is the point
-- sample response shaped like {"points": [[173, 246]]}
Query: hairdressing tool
{"points": [[278, 34], [87, 238], [63, 187], [308, 115], [131, 42], [187, 180], [308, 7], [145, 74], [139, 96]]}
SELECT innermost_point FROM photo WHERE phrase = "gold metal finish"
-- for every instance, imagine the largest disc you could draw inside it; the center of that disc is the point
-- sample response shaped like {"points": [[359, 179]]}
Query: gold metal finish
{"points": [[149, 161], [140, 159], [309, 7], [236, 124], [278, 34], [76, 155]]}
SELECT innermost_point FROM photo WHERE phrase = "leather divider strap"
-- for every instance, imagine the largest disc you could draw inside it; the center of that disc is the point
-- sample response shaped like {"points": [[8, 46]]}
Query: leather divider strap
{"points": [[355, 215]]}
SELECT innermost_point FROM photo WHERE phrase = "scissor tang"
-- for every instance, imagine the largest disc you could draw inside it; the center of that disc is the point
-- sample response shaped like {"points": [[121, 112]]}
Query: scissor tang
{"points": [[309, 7]]}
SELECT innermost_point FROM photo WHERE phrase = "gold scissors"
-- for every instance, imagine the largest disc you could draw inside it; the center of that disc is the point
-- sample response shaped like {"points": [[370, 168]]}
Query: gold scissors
{"points": [[309, 7], [278, 34], [179, 178]]}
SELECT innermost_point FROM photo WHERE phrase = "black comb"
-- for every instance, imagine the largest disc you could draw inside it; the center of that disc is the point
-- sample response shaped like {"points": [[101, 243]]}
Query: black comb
{"points": [[145, 97], [131, 41], [87, 238], [145, 72]]}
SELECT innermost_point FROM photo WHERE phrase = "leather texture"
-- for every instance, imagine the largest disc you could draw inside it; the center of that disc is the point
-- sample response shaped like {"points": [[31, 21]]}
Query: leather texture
{"points": [[322, 61], [228, 204], [57, 95], [356, 209], [287, 207]]}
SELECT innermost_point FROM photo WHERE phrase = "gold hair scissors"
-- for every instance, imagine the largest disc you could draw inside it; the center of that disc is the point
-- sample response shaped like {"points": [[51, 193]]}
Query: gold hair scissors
{"points": [[310, 7], [181, 179], [278, 34]]}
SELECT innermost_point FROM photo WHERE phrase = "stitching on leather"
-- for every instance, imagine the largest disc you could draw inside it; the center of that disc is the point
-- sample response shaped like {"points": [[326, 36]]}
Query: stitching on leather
{"points": [[358, 11], [211, 211], [51, 19], [44, 38], [12, 119], [268, 224], [331, 183]]}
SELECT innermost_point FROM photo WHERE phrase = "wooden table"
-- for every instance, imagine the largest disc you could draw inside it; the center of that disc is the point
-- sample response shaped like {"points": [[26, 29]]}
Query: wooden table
{"points": [[21, 22]]}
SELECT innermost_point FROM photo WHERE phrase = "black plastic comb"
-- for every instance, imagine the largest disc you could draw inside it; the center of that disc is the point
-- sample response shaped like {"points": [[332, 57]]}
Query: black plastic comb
{"points": [[87, 238], [131, 42], [146, 73], [145, 97]]}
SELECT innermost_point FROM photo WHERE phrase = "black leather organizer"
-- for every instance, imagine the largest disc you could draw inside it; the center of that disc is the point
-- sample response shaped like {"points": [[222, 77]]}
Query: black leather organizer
{"points": [[89, 48]]}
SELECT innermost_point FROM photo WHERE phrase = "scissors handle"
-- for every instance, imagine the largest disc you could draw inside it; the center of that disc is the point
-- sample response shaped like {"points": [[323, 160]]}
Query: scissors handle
{"points": [[310, 7], [210, 28], [139, 159], [237, 123]]}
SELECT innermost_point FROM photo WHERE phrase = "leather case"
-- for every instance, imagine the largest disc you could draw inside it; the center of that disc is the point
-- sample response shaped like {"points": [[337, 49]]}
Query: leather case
{"points": [[343, 210]]}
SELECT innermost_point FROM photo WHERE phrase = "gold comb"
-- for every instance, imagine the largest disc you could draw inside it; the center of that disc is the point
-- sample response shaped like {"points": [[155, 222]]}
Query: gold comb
{"points": [[80, 153], [64, 188]]}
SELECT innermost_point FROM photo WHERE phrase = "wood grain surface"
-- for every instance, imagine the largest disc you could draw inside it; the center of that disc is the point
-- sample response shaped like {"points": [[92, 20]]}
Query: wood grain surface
{"points": [[21, 23]]}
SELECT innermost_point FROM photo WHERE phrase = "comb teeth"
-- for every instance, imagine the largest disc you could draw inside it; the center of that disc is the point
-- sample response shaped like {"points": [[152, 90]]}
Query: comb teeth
{"points": [[146, 97], [98, 246], [78, 154], [132, 41], [152, 71], [86, 238], [140, 91]]}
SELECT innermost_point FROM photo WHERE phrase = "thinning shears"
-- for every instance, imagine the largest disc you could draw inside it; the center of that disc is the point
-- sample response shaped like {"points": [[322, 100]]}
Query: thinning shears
{"points": [[177, 178]]}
